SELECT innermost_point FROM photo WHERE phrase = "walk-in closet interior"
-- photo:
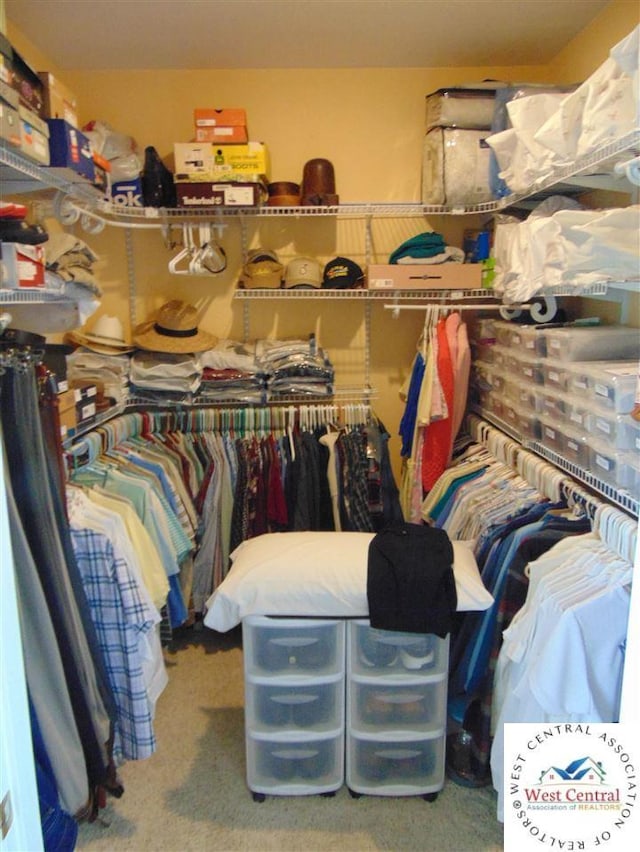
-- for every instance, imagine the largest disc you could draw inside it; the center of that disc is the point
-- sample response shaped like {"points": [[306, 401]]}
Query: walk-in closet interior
{"points": [[320, 414]]}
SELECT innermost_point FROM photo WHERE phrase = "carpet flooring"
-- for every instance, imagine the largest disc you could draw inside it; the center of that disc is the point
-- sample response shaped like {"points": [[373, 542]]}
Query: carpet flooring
{"points": [[192, 793]]}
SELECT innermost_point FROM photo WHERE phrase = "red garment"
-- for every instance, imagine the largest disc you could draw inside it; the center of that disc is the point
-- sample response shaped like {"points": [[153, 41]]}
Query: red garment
{"points": [[437, 437]]}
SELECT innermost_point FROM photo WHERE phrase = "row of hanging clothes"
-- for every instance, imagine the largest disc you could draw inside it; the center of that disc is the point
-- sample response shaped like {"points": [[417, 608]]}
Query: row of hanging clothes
{"points": [[558, 563], [238, 473], [435, 397]]}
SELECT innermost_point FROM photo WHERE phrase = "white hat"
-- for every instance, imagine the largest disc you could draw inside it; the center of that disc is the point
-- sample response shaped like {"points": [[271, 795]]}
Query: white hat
{"points": [[106, 337]]}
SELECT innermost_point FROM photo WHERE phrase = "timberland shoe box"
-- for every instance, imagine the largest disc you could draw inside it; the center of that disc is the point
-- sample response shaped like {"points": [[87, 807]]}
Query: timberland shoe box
{"points": [[127, 193], [34, 136], [70, 148], [22, 266], [202, 161], [59, 101], [425, 276], [222, 194]]}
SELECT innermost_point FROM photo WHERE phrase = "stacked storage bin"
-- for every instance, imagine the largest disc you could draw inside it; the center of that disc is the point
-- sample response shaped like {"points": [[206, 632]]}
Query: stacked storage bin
{"points": [[294, 705], [571, 388], [396, 712]]}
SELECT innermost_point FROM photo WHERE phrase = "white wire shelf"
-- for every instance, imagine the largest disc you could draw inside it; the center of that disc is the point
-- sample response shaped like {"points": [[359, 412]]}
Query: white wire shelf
{"points": [[363, 295], [18, 174], [35, 296]]}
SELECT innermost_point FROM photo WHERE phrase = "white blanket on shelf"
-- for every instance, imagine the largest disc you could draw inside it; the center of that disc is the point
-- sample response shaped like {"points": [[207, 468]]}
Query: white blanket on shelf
{"points": [[315, 574]]}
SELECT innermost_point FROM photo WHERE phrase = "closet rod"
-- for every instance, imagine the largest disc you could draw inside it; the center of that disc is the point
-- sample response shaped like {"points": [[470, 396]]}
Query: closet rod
{"points": [[456, 306]]}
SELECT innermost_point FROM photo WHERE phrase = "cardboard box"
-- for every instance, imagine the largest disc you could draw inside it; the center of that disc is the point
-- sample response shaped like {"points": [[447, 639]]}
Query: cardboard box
{"points": [[9, 124], [34, 136], [28, 85], [226, 194], [22, 266], [127, 193], [419, 276], [222, 135], [70, 148], [206, 162], [58, 100], [208, 117]]}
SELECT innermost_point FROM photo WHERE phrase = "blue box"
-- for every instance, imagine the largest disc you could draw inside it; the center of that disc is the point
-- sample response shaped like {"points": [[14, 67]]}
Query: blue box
{"points": [[127, 193], [70, 148]]}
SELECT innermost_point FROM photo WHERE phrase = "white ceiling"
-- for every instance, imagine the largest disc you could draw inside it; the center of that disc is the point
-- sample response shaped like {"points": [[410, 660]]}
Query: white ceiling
{"points": [[120, 34]]}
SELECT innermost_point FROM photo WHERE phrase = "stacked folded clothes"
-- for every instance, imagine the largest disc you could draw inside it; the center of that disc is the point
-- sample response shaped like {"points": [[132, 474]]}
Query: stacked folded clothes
{"points": [[230, 373], [110, 373], [162, 376], [295, 368]]}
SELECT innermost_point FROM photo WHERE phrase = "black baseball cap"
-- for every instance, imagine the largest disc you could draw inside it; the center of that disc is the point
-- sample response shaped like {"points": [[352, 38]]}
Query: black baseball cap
{"points": [[341, 273]]}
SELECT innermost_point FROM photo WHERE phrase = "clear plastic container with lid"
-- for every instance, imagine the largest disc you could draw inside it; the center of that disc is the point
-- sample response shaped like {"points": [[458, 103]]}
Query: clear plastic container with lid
{"points": [[605, 462], [551, 434], [528, 367], [576, 446], [554, 375], [613, 385], [619, 431], [589, 343], [530, 339]]}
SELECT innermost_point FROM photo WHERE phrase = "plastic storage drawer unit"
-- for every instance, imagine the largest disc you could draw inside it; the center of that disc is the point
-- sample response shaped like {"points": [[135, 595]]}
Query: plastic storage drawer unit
{"points": [[294, 679], [396, 712]]}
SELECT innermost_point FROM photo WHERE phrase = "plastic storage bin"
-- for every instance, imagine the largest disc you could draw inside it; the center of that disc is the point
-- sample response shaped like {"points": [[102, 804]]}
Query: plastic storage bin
{"points": [[605, 462], [613, 385], [619, 431], [530, 339], [576, 447], [593, 343]]}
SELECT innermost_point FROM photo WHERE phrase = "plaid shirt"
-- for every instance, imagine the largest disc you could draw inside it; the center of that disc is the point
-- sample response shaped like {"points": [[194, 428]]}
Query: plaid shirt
{"points": [[119, 615]]}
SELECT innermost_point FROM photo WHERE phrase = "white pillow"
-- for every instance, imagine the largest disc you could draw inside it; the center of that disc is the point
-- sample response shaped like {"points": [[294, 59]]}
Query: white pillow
{"points": [[315, 574]]}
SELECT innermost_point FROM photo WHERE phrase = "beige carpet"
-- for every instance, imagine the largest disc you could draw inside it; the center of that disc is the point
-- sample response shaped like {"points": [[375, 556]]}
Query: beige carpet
{"points": [[192, 794]]}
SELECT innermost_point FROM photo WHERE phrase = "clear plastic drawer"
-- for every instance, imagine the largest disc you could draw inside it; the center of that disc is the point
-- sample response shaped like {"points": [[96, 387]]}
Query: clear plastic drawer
{"points": [[418, 707], [395, 766], [283, 646], [390, 652], [317, 706], [294, 766]]}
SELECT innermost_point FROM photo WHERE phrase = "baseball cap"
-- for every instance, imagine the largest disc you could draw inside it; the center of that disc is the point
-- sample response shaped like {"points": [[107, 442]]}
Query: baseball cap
{"points": [[262, 270], [341, 273], [303, 273]]}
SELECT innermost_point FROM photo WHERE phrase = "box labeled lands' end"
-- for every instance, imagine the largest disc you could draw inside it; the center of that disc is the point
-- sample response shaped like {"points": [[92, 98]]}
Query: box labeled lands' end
{"points": [[425, 276]]}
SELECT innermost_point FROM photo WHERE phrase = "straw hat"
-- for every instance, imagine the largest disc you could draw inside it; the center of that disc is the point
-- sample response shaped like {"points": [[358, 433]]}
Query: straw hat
{"points": [[106, 337], [175, 329]]}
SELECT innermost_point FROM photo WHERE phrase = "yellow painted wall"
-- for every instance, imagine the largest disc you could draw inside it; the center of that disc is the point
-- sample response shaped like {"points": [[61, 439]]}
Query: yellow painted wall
{"points": [[368, 122]]}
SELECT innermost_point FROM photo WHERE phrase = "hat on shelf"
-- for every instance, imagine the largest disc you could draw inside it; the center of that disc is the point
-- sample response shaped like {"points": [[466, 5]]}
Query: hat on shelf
{"points": [[318, 183], [283, 193], [303, 273], [262, 270], [341, 273], [106, 337], [175, 329]]}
